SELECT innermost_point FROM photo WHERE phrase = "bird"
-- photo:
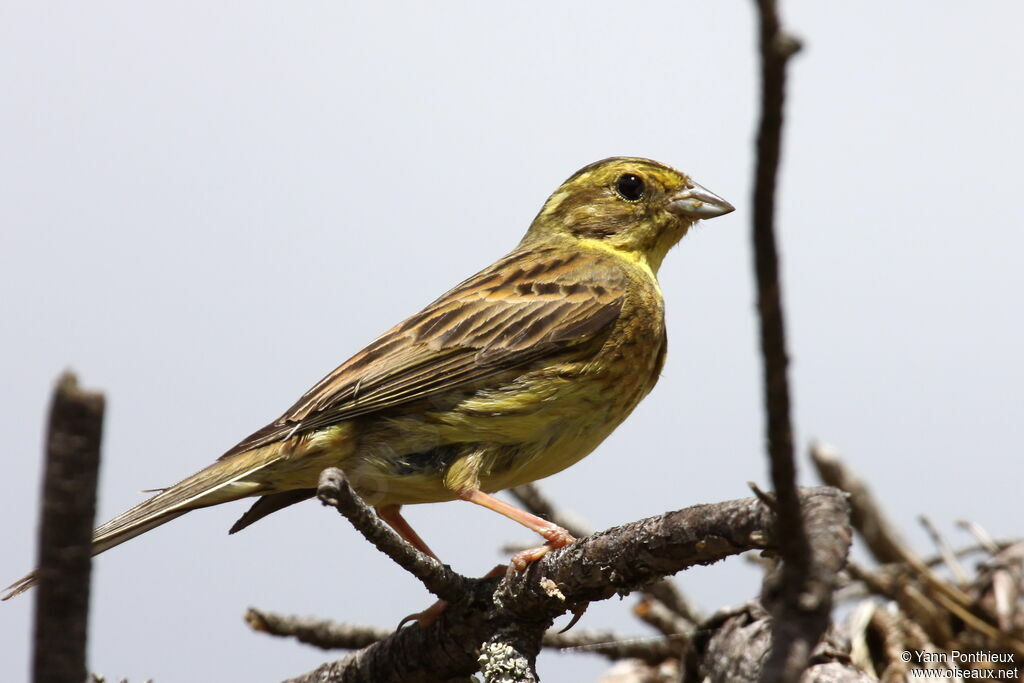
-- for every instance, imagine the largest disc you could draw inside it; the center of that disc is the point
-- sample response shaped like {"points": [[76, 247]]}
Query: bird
{"points": [[513, 375]]}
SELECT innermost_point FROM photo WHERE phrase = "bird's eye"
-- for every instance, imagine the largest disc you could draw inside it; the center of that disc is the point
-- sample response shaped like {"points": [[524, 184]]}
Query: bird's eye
{"points": [[630, 187]]}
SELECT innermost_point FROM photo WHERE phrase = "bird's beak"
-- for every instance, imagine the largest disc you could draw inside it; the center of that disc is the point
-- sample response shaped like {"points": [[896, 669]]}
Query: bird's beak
{"points": [[697, 202]]}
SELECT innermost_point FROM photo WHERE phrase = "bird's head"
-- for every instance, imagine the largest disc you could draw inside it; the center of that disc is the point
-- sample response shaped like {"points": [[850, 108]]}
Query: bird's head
{"points": [[635, 206]]}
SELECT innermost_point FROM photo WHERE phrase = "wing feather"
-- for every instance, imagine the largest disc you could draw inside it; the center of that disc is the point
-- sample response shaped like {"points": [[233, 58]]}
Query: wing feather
{"points": [[526, 307]]}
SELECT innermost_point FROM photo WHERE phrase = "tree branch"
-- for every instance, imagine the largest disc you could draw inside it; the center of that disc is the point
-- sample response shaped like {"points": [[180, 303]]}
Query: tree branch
{"points": [[867, 516], [616, 646], [929, 600], [330, 635], [439, 579], [734, 644], [327, 635], [510, 655], [65, 533], [665, 592], [802, 596], [666, 621], [515, 611]]}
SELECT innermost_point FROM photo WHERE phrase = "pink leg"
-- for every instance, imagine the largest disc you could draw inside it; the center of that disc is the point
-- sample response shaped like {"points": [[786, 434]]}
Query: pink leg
{"points": [[555, 535], [392, 515]]}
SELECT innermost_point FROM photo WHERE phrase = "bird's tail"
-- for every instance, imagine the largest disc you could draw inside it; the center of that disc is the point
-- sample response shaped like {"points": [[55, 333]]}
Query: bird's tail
{"points": [[226, 480]]}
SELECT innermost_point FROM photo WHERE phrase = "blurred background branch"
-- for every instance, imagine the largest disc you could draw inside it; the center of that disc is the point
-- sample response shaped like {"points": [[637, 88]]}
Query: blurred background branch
{"points": [[64, 560]]}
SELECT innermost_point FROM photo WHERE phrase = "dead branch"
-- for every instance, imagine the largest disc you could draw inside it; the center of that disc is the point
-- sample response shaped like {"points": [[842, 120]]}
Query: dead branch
{"points": [[335, 491], [657, 614], [65, 533], [867, 516], [327, 635], [801, 598], [733, 645], [509, 615], [949, 615], [616, 646], [665, 592]]}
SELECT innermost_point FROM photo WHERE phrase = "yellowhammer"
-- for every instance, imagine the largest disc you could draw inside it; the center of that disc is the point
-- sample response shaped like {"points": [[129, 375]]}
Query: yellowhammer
{"points": [[511, 376]]}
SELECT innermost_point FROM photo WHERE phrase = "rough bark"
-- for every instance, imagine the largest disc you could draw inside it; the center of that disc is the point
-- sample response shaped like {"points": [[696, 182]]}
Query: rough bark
{"points": [[65, 533]]}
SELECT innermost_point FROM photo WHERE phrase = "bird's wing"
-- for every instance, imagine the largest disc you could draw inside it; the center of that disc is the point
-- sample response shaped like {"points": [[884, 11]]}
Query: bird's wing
{"points": [[529, 305]]}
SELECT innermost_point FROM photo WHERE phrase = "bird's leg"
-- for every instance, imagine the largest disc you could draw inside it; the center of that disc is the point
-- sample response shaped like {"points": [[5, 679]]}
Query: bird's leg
{"points": [[555, 535], [393, 516]]}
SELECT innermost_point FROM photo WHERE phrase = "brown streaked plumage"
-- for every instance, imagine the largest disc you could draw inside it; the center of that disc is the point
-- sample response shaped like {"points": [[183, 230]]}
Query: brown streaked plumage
{"points": [[513, 375]]}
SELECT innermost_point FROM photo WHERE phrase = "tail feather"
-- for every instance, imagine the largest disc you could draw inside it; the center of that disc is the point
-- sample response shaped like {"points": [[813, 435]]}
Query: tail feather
{"points": [[270, 504], [224, 481]]}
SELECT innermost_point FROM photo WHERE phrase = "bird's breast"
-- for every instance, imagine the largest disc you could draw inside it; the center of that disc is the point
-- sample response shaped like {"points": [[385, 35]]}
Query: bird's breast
{"points": [[533, 423]]}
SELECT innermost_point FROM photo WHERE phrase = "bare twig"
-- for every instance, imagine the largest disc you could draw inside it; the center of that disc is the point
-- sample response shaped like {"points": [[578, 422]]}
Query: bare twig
{"points": [[776, 49], [968, 550], [982, 536], [666, 621], [945, 551], [866, 514], [327, 635], [65, 533], [335, 491], [331, 635], [615, 646], [924, 595], [668, 594], [804, 599]]}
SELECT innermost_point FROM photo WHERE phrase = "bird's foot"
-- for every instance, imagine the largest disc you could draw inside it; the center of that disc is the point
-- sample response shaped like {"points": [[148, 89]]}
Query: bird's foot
{"points": [[556, 536], [427, 616], [431, 614]]}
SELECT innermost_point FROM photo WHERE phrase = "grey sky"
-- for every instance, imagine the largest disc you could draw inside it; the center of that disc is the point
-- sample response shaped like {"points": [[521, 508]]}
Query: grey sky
{"points": [[205, 208]]}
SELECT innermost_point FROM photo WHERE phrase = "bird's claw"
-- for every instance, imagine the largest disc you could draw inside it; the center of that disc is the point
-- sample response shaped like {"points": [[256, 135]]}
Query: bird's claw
{"points": [[426, 617], [578, 611]]}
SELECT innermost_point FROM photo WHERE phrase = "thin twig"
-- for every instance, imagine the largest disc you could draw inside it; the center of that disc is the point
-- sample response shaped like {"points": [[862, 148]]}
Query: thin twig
{"points": [[968, 550], [945, 551], [652, 650], [65, 533], [920, 599], [982, 536], [801, 608], [322, 633], [668, 594], [667, 622], [335, 491], [867, 515], [331, 635], [776, 49]]}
